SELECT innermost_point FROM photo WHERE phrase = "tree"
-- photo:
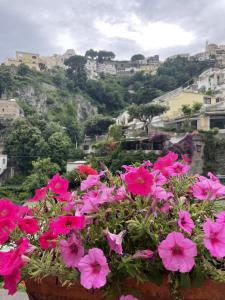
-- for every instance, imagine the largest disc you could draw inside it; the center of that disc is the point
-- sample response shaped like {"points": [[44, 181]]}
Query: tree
{"points": [[76, 70], [24, 143], [116, 132], [145, 113], [23, 70], [188, 111], [136, 57], [42, 170], [105, 55], [6, 80], [97, 125], [91, 54], [59, 148]]}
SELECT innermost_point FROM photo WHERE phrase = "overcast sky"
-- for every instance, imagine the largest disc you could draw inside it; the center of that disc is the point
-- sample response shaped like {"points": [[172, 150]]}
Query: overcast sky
{"points": [[126, 27]]}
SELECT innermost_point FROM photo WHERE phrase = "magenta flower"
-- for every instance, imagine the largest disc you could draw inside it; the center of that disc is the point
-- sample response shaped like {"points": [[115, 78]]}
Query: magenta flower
{"points": [[185, 221], [72, 251], [115, 241], [6, 227], [39, 195], [143, 254], [177, 252], [58, 185], [163, 162], [47, 240], [186, 158], [139, 182], [177, 169], [214, 239], [94, 269], [128, 297], [8, 209], [11, 263], [64, 224], [28, 225], [64, 197], [220, 217]]}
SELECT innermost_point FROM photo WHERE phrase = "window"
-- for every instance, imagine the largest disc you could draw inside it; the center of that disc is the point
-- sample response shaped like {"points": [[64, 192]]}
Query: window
{"points": [[34, 57], [218, 99], [86, 147], [4, 161], [218, 122], [207, 100]]}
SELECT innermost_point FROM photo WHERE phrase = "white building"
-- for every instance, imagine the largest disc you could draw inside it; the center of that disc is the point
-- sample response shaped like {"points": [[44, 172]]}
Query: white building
{"points": [[107, 67], [91, 69], [3, 163], [74, 165]]}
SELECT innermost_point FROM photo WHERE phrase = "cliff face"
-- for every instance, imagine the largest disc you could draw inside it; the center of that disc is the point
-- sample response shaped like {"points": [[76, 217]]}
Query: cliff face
{"points": [[46, 98]]}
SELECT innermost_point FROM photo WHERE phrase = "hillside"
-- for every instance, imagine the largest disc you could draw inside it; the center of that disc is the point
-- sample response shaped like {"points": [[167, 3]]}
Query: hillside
{"points": [[58, 103]]}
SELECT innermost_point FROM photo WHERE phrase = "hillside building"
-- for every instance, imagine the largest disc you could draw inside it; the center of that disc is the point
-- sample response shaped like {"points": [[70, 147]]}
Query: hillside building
{"points": [[27, 58]]}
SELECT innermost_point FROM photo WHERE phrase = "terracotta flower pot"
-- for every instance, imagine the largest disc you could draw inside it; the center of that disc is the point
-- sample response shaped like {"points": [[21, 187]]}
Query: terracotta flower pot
{"points": [[50, 289]]}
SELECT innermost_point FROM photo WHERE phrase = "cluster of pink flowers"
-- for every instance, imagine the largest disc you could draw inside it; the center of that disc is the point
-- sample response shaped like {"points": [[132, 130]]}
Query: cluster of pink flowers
{"points": [[68, 225]]}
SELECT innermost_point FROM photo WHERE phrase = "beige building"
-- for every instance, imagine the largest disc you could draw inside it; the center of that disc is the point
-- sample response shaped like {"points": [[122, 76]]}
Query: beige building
{"points": [[9, 109], [176, 99], [27, 58]]}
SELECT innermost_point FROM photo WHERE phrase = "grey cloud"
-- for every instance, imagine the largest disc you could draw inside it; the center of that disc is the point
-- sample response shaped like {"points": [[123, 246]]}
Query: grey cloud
{"points": [[34, 25]]}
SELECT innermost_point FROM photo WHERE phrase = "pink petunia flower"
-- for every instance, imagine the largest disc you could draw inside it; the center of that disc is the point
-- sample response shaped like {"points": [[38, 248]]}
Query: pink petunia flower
{"points": [[94, 269], [8, 209], [28, 225], [6, 227], [220, 217], [177, 169], [39, 195], [47, 240], [177, 252], [144, 254], [214, 239], [11, 263], [92, 180], [163, 162], [160, 193], [115, 241], [58, 185], [64, 197], [159, 178], [185, 221], [121, 194], [213, 177], [139, 182], [64, 224], [128, 297], [72, 251], [208, 189]]}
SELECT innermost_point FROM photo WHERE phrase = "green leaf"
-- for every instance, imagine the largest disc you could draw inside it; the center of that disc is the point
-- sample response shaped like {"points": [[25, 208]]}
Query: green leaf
{"points": [[197, 278], [185, 281]]}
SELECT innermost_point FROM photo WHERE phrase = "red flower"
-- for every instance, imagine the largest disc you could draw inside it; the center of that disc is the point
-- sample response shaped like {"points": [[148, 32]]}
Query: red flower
{"points": [[87, 170], [58, 184], [48, 240], [64, 224], [29, 225]]}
